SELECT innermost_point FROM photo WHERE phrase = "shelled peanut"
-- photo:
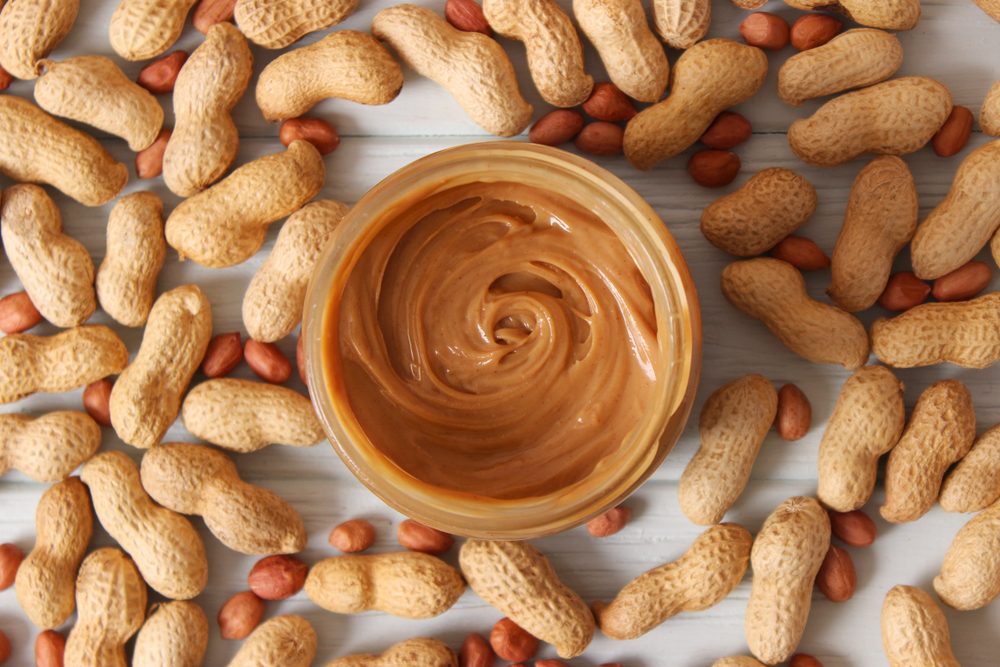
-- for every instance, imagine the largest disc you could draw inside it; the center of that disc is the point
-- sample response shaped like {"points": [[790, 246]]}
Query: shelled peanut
{"points": [[701, 578]]}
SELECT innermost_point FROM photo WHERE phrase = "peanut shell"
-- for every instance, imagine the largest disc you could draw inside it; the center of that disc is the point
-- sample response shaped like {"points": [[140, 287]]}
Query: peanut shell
{"points": [[174, 635], [143, 29], [47, 448], [914, 630], [283, 641], [974, 484], [970, 574], [681, 23], [30, 30], [274, 24], [418, 652]]}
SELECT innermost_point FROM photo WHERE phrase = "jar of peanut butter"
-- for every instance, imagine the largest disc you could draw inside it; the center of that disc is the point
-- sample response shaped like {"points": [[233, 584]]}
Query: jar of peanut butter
{"points": [[503, 340]]}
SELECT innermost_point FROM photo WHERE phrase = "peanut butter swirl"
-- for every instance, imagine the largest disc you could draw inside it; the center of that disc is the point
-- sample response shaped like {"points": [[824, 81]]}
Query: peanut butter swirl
{"points": [[497, 339]]}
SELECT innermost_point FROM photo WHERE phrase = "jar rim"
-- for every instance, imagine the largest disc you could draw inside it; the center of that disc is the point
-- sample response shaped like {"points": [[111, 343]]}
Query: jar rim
{"points": [[658, 258]]}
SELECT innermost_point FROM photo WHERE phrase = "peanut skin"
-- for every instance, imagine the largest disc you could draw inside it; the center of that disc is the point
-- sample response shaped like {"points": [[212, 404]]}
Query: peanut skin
{"points": [[513, 577], [274, 24], [418, 652], [708, 78], [30, 30], [941, 431], [880, 220], [785, 558], [47, 448], [46, 579], [965, 333], [346, 64], [94, 90], [226, 224], [958, 228], [68, 360], [555, 54], [244, 416], [974, 484], [914, 630], [854, 59], [111, 605], [408, 584], [631, 54], [55, 269], [273, 302], [890, 118], [194, 479], [37, 148], [165, 546], [471, 66], [126, 279], [147, 396], [174, 635], [734, 422], [753, 219], [283, 641], [970, 574], [143, 29], [867, 422], [774, 292], [204, 141], [707, 572]]}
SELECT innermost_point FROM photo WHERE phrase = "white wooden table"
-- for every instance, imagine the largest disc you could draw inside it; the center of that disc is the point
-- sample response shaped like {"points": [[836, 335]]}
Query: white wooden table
{"points": [[955, 42]]}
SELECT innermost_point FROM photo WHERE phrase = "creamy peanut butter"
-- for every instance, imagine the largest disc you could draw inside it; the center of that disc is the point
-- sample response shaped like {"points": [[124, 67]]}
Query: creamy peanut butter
{"points": [[497, 339]]}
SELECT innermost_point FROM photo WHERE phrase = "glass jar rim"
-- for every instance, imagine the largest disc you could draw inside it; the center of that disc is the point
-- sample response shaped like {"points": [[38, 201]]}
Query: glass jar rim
{"points": [[661, 263]]}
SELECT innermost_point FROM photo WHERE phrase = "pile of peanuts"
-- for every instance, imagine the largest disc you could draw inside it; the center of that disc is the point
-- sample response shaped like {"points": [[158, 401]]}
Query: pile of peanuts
{"points": [[224, 218]]}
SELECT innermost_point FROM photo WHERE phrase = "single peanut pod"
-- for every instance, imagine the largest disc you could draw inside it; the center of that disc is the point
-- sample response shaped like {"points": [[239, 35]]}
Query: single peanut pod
{"points": [[738, 660], [274, 24], [970, 574], [47, 448], [958, 228], [46, 579], [283, 641], [890, 118], [880, 220], [681, 24], [854, 59], [408, 584], [734, 422], [273, 302], [244, 416], [709, 78], [965, 333], [867, 422], [37, 148], [941, 431], [136, 248], [418, 652], [785, 558], [555, 54], [633, 57], [194, 479], [174, 635], [346, 64], [471, 66], [165, 546], [914, 630], [974, 484], [111, 605], [94, 90], [226, 224], [701, 578], [30, 30], [55, 269], [513, 576], [147, 395], [763, 211], [65, 361], [774, 292], [989, 115], [143, 29], [205, 139]]}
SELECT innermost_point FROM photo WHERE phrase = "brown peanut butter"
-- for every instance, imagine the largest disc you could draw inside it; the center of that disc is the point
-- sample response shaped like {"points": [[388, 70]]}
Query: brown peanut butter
{"points": [[497, 339]]}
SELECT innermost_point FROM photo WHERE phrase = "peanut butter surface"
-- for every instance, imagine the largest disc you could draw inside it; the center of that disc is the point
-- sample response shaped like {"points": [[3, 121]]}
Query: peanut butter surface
{"points": [[497, 339]]}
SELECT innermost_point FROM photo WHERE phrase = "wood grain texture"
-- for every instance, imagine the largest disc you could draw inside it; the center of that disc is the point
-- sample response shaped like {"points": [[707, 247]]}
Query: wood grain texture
{"points": [[954, 42]]}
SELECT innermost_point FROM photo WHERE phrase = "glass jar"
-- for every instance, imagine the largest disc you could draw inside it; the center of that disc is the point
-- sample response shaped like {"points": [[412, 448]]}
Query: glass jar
{"points": [[652, 249]]}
